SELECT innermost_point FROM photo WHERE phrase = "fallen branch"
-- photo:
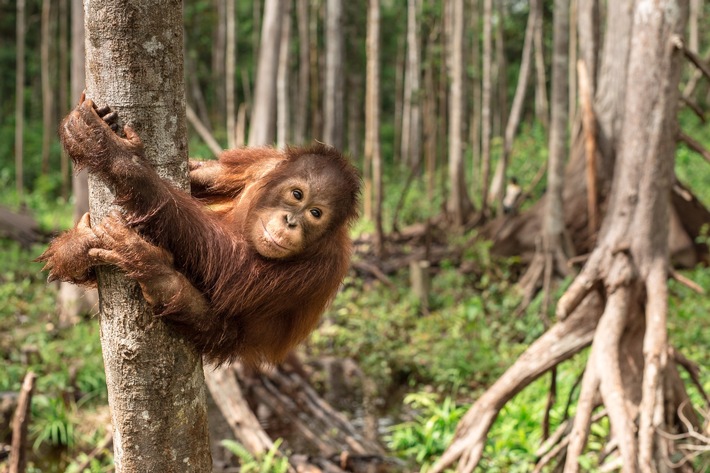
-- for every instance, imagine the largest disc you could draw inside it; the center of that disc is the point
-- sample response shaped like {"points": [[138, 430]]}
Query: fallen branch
{"points": [[18, 458]]}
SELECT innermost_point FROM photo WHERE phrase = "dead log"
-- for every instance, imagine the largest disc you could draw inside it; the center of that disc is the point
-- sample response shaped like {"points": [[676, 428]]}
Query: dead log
{"points": [[19, 227]]}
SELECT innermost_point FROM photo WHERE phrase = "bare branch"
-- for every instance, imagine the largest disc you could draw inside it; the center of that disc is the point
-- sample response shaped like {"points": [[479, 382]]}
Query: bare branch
{"points": [[694, 145]]}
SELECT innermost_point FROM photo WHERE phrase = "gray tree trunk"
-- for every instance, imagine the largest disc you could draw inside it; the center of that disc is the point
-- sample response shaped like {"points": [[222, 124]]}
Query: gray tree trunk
{"points": [[458, 202], [588, 31], [541, 103], [333, 102], [263, 118], [516, 110], [304, 78], [230, 66], [283, 109], [410, 149], [155, 383], [372, 117], [486, 99], [20, 102], [48, 127]]}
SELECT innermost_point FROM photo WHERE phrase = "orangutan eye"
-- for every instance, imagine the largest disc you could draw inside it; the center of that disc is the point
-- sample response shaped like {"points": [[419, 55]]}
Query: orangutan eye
{"points": [[297, 194], [316, 213]]}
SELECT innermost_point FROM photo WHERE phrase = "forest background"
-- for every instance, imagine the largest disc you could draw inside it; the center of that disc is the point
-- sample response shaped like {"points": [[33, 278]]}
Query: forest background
{"points": [[448, 91]]}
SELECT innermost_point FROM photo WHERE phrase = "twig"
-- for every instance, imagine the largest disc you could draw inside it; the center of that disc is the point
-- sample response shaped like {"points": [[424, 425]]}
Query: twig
{"points": [[105, 443], [693, 371], [689, 283], [694, 107], [697, 60], [204, 133], [694, 145]]}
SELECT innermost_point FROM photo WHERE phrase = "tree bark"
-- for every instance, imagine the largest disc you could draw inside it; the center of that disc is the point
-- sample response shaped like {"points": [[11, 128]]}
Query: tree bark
{"points": [[263, 118], [47, 95], [333, 103], [63, 47], [283, 110], [304, 62], [486, 120], [219, 47], [588, 32], [155, 384], [372, 118], [458, 204], [230, 66], [20, 102], [516, 110], [541, 104], [410, 149]]}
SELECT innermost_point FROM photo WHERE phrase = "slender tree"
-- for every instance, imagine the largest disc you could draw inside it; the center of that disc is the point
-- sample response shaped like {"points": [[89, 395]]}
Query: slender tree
{"points": [[333, 102], [20, 102], [263, 120], [541, 104], [48, 119], [373, 157], [458, 203], [283, 110], [516, 110], [410, 149], [304, 63], [156, 388], [486, 99], [230, 66]]}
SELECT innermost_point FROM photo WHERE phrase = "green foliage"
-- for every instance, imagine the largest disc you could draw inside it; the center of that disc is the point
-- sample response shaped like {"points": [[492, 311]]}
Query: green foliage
{"points": [[427, 435], [53, 422], [269, 462]]}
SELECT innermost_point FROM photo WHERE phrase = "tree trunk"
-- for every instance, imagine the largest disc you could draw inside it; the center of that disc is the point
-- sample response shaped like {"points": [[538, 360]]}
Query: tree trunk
{"points": [[372, 118], [516, 110], [333, 103], [695, 13], [263, 118], [283, 111], [230, 66], [475, 125], [458, 203], [572, 81], [219, 47], [588, 32], [486, 99], [315, 71], [304, 62], [541, 105], [63, 48], [410, 149], [20, 102], [501, 72], [155, 384], [48, 127]]}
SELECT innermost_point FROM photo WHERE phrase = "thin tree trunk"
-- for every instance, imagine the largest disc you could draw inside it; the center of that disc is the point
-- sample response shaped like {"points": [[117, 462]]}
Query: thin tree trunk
{"points": [[588, 31], [572, 81], [372, 118], [20, 423], [400, 63], [541, 104], [283, 111], [410, 148], [304, 62], [20, 102], [48, 127], [475, 126], [263, 119], [694, 20], [333, 103], [230, 63], [516, 111], [430, 130], [458, 203], [219, 46], [501, 71], [64, 85], [553, 235], [315, 65], [158, 405], [486, 99]]}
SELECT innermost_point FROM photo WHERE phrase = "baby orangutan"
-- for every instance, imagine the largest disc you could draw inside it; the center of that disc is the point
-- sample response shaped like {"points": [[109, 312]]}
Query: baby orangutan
{"points": [[245, 266]]}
